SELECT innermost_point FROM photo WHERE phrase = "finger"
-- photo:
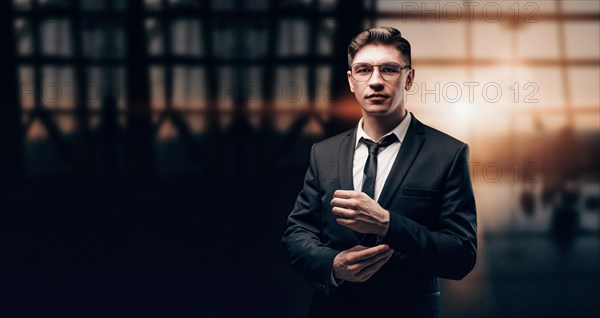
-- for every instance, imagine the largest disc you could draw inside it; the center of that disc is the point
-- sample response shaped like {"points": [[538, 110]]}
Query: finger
{"points": [[366, 253], [345, 194], [350, 194], [357, 248], [360, 265], [342, 202], [343, 212]]}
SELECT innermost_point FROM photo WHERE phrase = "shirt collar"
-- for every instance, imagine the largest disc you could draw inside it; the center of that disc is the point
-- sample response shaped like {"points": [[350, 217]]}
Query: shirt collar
{"points": [[399, 131]]}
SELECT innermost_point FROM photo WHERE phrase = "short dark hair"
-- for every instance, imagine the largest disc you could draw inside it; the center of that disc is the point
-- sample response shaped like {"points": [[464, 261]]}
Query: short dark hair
{"points": [[379, 35]]}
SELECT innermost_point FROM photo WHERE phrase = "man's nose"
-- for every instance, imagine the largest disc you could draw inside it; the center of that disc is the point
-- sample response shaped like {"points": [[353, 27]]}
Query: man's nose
{"points": [[376, 81]]}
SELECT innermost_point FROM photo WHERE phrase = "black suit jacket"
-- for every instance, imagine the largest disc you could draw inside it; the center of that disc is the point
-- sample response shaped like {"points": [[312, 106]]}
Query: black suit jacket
{"points": [[432, 225]]}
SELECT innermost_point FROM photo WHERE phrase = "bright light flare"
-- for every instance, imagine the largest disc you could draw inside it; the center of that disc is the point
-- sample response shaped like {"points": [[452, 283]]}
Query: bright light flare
{"points": [[462, 110]]}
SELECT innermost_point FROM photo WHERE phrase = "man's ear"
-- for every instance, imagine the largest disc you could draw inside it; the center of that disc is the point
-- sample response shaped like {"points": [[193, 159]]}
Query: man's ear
{"points": [[410, 78], [350, 83]]}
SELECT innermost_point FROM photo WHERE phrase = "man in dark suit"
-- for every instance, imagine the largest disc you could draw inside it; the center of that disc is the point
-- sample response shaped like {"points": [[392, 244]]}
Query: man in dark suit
{"points": [[386, 207]]}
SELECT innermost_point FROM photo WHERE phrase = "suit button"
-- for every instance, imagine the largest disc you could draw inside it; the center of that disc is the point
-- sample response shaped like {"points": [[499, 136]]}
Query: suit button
{"points": [[399, 254]]}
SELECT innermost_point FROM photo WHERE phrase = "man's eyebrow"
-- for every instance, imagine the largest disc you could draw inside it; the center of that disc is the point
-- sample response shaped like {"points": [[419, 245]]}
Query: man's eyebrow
{"points": [[384, 62]]}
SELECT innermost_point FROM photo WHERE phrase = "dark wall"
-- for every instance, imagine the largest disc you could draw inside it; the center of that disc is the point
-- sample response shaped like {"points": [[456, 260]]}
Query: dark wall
{"points": [[113, 219]]}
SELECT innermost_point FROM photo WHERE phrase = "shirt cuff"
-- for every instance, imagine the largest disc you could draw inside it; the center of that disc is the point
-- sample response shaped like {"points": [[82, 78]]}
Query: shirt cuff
{"points": [[335, 282]]}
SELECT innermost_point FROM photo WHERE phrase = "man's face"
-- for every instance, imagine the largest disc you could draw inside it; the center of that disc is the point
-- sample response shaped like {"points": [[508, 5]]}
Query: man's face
{"points": [[377, 96]]}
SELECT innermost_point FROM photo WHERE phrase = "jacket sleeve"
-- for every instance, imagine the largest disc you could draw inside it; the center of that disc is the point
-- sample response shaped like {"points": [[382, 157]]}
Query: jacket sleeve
{"points": [[449, 250], [302, 239]]}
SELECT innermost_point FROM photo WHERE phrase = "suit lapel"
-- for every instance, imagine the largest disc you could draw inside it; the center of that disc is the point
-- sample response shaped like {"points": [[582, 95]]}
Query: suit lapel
{"points": [[415, 136], [346, 158]]}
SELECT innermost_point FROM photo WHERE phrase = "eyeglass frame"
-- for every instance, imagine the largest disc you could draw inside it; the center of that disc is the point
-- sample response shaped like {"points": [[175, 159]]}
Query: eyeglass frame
{"points": [[406, 67]]}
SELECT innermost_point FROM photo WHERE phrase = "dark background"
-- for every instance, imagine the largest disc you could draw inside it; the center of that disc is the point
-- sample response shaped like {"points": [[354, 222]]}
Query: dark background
{"points": [[152, 150]]}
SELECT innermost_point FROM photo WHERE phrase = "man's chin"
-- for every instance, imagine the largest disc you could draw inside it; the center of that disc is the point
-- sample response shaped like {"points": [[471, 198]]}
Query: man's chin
{"points": [[377, 110]]}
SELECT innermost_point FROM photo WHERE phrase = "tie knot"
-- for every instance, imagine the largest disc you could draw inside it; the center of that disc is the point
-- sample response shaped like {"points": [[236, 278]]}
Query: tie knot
{"points": [[374, 146]]}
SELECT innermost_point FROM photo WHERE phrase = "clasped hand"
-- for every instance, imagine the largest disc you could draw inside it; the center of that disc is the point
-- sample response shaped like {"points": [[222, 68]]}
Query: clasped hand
{"points": [[359, 263], [357, 211]]}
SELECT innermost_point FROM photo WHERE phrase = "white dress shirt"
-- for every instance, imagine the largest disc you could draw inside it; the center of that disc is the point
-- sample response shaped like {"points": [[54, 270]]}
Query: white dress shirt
{"points": [[385, 159]]}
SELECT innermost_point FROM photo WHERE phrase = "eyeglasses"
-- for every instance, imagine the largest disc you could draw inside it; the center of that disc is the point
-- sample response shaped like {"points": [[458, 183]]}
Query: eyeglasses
{"points": [[390, 72]]}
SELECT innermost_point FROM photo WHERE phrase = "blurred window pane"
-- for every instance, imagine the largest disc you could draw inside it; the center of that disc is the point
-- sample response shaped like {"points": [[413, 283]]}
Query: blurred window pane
{"points": [[188, 90], [94, 5], [582, 40], [584, 83], [59, 89], [326, 36], [581, 6], [255, 38], [291, 88], [56, 37], [186, 37], [157, 88], [103, 40], [323, 98], [51, 4], [184, 3], [226, 86], [295, 4], [22, 5], [538, 40], [155, 37], [223, 5], [432, 40], [153, 4], [256, 5], [253, 89], [293, 37], [224, 40], [23, 37], [27, 89], [327, 5], [491, 40]]}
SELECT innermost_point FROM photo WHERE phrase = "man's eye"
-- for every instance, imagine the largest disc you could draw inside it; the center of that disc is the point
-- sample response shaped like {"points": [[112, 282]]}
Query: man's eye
{"points": [[389, 69], [363, 70]]}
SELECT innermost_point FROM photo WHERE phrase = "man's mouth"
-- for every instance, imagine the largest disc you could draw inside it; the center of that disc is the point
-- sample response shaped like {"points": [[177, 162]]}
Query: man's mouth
{"points": [[377, 96]]}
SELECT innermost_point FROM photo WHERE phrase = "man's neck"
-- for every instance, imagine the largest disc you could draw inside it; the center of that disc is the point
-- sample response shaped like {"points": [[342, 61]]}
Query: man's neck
{"points": [[377, 126]]}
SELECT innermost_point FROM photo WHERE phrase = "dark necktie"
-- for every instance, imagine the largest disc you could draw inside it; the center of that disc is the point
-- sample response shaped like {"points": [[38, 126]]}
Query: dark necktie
{"points": [[370, 173], [371, 164]]}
